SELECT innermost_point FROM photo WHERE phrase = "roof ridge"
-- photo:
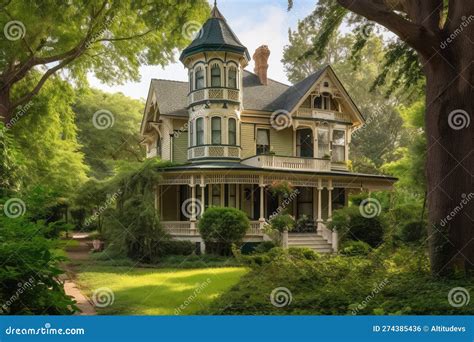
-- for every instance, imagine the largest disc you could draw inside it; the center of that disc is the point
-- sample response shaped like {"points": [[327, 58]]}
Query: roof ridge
{"points": [[164, 79], [271, 79]]}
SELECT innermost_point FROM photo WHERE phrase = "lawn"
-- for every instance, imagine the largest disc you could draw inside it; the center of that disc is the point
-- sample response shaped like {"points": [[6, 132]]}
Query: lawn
{"points": [[166, 291]]}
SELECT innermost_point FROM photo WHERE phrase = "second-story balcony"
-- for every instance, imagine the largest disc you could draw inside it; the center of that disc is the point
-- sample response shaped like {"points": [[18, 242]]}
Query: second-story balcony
{"points": [[331, 115], [209, 94], [288, 163]]}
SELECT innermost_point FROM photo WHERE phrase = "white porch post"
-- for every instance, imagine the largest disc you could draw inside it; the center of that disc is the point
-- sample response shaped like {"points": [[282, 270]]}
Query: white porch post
{"points": [[193, 206], [330, 188], [320, 188], [203, 195], [262, 206]]}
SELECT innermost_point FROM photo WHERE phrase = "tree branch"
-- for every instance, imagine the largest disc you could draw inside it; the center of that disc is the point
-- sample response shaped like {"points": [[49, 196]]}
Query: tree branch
{"points": [[415, 35]]}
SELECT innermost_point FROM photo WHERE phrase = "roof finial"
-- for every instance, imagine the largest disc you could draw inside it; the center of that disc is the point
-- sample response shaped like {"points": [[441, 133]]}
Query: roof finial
{"points": [[215, 12], [215, 3]]}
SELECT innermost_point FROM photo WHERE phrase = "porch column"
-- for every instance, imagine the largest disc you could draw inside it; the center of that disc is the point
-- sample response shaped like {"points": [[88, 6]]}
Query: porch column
{"points": [[203, 195], [330, 188], [320, 188], [262, 206], [193, 205]]}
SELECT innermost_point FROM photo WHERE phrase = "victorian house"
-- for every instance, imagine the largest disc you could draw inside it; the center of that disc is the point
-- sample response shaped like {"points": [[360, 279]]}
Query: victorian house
{"points": [[232, 133]]}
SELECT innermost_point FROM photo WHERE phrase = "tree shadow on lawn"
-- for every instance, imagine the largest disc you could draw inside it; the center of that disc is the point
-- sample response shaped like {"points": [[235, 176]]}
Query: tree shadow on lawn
{"points": [[160, 292]]}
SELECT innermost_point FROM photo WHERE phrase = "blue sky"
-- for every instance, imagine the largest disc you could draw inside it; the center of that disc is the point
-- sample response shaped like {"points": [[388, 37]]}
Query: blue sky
{"points": [[255, 22]]}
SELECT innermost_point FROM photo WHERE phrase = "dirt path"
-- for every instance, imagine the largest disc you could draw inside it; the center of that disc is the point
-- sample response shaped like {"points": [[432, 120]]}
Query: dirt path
{"points": [[78, 255]]}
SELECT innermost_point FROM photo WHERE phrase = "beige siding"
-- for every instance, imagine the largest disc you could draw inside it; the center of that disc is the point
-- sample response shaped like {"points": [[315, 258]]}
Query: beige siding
{"points": [[281, 142], [247, 140], [180, 147]]}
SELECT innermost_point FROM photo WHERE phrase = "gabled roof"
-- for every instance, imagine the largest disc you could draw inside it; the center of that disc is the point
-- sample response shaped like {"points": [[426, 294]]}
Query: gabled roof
{"points": [[215, 35], [171, 96]]}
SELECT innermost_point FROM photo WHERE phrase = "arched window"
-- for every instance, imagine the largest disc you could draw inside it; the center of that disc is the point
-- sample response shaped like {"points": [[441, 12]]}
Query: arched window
{"points": [[215, 76], [232, 132], [200, 131], [323, 102], [191, 80], [199, 78], [216, 130], [232, 82]]}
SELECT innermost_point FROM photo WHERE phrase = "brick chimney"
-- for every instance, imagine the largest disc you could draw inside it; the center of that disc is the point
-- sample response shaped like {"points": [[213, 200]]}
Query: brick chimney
{"points": [[260, 57]]}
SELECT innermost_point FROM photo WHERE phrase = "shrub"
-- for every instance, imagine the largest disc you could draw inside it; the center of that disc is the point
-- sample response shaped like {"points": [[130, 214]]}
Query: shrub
{"points": [[221, 227], [54, 229], [351, 225], [355, 248], [175, 247], [264, 247], [412, 231], [29, 271]]}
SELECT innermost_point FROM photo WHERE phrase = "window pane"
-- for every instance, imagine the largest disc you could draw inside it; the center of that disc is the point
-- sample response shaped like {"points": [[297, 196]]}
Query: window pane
{"points": [[232, 78], [200, 131], [304, 143], [215, 76], [338, 138], [216, 130], [318, 102], [323, 143], [232, 132], [199, 79], [263, 141]]}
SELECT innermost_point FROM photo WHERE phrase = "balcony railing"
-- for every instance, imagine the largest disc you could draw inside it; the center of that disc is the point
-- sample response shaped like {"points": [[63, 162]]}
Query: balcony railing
{"points": [[183, 228], [214, 94], [214, 151], [322, 114], [288, 163]]}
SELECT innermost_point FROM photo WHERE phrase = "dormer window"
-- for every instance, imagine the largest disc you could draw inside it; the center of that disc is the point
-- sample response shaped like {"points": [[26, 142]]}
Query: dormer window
{"points": [[232, 83], [199, 78], [215, 76]]}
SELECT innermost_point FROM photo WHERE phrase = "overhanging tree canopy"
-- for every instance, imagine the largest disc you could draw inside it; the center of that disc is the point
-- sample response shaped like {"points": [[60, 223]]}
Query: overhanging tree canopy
{"points": [[441, 32]]}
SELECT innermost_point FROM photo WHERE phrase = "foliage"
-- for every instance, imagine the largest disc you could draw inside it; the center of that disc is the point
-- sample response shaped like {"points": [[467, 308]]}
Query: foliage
{"points": [[10, 167], [351, 225], [355, 248], [29, 274], [110, 39], [121, 141], [282, 188], [47, 140], [277, 225], [304, 223], [265, 246], [384, 282], [413, 231], [221, 227], [54, 229]]}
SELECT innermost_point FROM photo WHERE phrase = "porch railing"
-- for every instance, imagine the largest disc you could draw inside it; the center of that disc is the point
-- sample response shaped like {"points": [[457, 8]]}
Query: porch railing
{"points": [[183, 228], [288, 163]]}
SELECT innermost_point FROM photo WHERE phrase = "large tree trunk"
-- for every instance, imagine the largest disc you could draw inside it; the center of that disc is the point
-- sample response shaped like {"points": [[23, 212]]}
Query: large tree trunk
{"points": [[450, 156], [5, 106]]}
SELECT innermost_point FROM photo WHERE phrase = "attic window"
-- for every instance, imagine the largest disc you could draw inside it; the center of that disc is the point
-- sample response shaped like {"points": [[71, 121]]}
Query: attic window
{"points": [[326, 84]]}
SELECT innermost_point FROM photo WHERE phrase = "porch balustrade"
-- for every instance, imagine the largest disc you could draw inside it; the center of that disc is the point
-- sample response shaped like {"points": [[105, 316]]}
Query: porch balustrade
{"points": [[288, 163]]}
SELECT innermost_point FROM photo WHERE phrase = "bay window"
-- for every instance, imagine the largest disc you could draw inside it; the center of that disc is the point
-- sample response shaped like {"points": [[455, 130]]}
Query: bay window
{"points": [[338, 145], [216, 130]]}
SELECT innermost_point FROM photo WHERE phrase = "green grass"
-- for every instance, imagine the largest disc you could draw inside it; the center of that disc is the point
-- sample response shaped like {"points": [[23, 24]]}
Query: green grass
{"points": [[166, 291]]}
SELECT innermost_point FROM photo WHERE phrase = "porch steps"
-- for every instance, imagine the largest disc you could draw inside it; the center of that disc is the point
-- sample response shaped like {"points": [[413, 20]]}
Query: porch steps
{"points": [[309, 240]]}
